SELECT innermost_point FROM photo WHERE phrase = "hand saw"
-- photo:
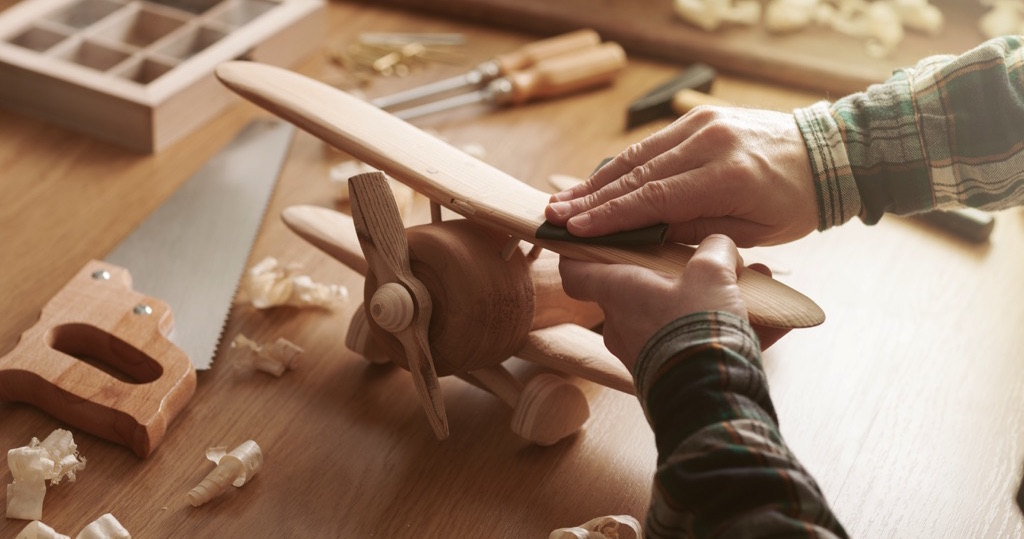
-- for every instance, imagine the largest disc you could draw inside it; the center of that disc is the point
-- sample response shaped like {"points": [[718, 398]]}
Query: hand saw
{"points": [[106, 355]]}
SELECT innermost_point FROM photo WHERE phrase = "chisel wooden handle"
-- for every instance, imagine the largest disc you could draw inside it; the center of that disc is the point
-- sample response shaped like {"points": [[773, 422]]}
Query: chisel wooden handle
{"points": [[98, 316], [533, 53], [567, 73], [687, 99]]}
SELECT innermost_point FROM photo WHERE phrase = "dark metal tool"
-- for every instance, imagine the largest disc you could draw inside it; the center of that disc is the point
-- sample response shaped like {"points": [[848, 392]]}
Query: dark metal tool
{"points": [[658, 103]]}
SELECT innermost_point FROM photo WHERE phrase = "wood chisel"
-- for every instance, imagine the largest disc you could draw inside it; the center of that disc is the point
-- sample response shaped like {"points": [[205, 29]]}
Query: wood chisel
{"points": [[561, 75], [502, 65], [115, 316]]}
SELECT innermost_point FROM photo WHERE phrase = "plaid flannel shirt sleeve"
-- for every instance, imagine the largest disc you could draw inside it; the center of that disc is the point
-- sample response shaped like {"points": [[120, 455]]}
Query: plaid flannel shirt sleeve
{"points": [[946, 133], [723, 468]]}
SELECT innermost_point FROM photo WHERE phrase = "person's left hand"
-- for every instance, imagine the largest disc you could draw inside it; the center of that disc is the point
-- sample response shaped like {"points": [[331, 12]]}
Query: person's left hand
{"points": [[637, 302]]}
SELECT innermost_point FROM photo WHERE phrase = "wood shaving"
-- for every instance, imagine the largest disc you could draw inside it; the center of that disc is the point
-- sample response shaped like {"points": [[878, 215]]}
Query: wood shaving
{"points": [[235, 468], [712, 14], [105, 527], [877, 23], [271, 284], [1004, 17], [274, 359], [881, 24], [38, 530], [53, 459], [609, 527], [920, 16], [784, 16]]}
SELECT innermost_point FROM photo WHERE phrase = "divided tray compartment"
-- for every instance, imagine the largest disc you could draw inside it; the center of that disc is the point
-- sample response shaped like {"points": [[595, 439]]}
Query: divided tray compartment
{"points": [[140, 72]]}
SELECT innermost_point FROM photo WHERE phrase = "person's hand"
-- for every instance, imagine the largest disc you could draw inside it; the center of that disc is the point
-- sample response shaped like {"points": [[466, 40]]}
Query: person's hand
{"points": [[740, 172], [637, 301]]}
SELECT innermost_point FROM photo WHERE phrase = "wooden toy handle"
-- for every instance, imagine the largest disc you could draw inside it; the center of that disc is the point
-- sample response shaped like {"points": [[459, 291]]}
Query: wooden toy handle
{"points": [[568, 73], [534, 52], [98, 316]]}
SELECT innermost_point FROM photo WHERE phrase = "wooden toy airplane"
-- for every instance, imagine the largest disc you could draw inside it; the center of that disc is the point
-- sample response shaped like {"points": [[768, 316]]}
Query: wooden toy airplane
{"points": [[460, 296]]}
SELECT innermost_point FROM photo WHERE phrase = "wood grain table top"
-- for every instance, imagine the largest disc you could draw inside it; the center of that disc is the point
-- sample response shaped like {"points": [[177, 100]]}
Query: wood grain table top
{"points": [[906, 404]]}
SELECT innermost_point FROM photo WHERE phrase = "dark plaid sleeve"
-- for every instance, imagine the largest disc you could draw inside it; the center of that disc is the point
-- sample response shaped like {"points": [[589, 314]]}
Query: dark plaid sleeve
{"points": [[723, 469], [946, 133]]}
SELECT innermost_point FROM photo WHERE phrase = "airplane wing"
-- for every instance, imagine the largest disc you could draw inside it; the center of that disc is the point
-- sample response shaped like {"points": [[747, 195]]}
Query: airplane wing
{"points": [[578, 351]]}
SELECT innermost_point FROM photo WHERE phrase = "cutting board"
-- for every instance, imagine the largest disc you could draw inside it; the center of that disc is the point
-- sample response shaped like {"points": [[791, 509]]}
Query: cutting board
{"points": [[815, 59]]}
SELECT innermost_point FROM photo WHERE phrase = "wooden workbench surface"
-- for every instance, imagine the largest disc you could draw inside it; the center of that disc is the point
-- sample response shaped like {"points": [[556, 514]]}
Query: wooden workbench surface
{"points": [[906, 404]]}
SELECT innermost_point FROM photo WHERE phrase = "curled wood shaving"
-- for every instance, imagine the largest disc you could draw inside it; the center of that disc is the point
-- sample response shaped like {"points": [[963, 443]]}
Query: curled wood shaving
{"points": [[271, 284], [64, 460], [782, 16], [274, 359], [711, 14], [920, 16], [1004, 17], [105, 527], [38, 530], [609, 527], [53, 459], [235, 469], [880, 23]]}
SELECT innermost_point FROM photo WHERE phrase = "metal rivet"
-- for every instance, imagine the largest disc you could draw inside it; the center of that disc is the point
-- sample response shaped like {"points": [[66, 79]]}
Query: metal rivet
{"points": [[99, 275], [142, 308]]}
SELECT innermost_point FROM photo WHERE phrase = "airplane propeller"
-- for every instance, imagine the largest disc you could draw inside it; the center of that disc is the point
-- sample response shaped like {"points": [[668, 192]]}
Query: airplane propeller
{"points": [[400, 303], [484, 308]]}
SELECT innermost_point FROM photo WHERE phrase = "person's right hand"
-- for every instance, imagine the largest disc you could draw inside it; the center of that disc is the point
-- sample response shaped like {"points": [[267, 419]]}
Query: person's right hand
{"points": [[740, 172]]}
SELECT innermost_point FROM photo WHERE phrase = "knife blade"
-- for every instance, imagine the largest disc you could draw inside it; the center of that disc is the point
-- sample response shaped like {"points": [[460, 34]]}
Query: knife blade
{"points": [[115, 351]]}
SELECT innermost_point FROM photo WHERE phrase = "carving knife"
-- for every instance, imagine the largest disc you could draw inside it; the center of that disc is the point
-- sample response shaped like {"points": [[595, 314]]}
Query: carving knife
{"points": [[107, 355]]}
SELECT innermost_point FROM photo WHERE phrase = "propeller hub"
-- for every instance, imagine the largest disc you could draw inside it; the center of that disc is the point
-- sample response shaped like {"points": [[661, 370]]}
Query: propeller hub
{"points": [[392, 307]]}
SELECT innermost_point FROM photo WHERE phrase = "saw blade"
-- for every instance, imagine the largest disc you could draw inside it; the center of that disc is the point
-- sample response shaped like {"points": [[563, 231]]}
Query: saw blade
{"points": [[192, 250]]}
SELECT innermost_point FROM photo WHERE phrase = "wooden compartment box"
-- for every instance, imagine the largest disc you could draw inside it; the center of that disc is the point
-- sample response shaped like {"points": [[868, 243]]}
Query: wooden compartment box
{"points": [[140, 73]]}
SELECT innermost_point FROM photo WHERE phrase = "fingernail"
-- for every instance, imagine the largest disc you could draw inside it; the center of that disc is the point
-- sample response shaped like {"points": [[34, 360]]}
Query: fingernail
{"points": [[580, 221], [562, 195], [560, 208]]}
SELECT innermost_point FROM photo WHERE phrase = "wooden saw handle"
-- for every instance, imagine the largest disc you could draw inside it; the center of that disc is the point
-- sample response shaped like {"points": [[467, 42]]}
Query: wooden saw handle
{"points": [[98, 316]]}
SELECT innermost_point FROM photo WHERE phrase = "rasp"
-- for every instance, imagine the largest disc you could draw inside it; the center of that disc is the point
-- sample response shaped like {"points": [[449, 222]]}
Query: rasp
{"points": [[115, 351]]}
